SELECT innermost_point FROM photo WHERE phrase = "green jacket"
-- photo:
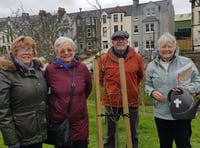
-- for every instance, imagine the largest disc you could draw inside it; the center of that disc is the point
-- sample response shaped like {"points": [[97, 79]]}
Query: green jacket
{"points": [[22, 103]]}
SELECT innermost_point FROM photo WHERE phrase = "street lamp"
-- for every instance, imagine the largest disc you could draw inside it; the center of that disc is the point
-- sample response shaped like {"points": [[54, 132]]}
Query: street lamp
{"points": [[153, 38], [192, 22]]}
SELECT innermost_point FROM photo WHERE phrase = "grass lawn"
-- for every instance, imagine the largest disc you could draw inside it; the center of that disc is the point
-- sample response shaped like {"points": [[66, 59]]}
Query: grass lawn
{"points": [[147, 131]]}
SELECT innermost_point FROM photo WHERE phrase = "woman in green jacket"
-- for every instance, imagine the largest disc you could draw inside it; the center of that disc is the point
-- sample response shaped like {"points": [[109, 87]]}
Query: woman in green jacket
{"points": [[23, 93]]}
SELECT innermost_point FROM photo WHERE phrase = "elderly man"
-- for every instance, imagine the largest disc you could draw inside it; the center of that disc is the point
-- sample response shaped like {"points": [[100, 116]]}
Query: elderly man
{"points": [[110, 80]]}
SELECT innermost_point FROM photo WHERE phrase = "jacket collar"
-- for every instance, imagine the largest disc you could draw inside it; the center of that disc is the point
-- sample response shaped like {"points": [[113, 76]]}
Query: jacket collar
{"points": [[7, 64], [131, 53]]}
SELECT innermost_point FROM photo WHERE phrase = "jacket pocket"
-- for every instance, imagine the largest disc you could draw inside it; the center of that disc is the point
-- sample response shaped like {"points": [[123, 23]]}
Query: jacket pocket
{"points": [[26, 124]]}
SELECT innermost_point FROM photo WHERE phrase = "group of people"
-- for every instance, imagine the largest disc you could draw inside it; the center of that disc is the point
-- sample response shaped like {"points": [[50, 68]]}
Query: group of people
{"points": [[31, 97]]}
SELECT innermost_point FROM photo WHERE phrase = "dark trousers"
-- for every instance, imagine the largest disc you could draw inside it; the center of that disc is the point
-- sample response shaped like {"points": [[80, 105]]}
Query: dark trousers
{"points": [[178, 130], [37, 145], [111, 121], [76, 144]]}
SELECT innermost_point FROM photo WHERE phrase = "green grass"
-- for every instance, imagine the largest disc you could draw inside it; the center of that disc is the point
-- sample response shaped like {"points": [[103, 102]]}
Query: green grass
{"points": [[147, 131]]}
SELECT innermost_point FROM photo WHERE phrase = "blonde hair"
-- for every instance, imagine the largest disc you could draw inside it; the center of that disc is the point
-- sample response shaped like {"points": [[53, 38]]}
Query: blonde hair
{"points": [[23, 42]]}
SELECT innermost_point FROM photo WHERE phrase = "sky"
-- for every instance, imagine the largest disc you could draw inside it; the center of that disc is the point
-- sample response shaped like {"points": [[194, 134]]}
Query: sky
{"points": [[12, 7]]}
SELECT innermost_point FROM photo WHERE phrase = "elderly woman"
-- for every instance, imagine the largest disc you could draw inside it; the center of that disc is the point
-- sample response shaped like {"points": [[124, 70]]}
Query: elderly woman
{"points": [[23, 92], [59, 75], [161, 77]]}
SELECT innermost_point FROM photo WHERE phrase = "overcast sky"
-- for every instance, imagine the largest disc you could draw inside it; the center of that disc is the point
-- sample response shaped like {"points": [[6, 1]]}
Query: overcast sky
{"points": [[9, 7]]}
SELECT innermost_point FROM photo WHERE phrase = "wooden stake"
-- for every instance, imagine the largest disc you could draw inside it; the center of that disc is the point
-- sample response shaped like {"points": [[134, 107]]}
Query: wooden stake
{"points": [[98, 103], [125, 102]]}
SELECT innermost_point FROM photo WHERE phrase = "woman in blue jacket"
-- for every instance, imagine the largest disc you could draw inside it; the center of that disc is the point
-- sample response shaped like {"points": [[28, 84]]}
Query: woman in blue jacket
{"points": [[161, 77]]}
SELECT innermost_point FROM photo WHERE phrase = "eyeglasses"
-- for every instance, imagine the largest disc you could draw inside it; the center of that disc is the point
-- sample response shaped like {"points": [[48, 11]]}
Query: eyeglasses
{"points": [[63, 51], [25, 50]]}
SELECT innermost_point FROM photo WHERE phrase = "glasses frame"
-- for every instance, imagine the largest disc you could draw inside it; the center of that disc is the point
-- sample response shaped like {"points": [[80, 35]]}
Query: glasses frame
{"points": [[29, 50]]}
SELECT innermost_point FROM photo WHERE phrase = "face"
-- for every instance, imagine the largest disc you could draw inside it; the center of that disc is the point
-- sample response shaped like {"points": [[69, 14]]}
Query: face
{"points": [[25, 55], [65, 52], [120, 44], [166, 51]]}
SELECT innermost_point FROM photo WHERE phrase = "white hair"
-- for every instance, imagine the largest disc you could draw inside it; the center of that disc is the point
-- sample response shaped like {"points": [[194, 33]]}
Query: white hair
{"points": [[61, 40], [166, 38]]}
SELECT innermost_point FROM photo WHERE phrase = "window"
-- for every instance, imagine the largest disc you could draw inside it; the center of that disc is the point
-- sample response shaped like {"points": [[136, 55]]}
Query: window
{"points": [[104, 31], [8, 39], [92, 21], [121, 17], [104, 19], [115, 17], [199, 17], [105, 44], [88, 21], [136, 29], [149, 27], [136, 44], [89, 45], [81, 46], [79, 22], [115, 28], [198, 37], [3, 39], [151, 11], [152, 27], [135, 19], [148, 12], [89, 32], [11, 38], [122, 27], [149, 45]]}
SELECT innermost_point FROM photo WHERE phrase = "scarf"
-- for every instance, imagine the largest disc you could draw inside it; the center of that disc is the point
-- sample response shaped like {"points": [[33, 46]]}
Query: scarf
{"points": [[21, 64], [123, 55], [61, 63]]}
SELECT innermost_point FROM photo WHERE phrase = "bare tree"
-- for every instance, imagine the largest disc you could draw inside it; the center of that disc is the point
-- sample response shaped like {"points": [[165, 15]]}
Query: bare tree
{"points": [[44, 28]]}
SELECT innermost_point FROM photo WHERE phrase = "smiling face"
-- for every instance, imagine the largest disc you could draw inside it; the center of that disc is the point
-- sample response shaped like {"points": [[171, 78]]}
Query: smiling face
{"points": [[25, 55], [166, 46], [120, 44], [65, 52], [166, 51], [23, 48]]}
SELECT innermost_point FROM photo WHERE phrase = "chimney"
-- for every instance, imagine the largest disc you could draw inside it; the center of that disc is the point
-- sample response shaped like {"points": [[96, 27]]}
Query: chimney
{"points": [[61, 11], [135, 3]]}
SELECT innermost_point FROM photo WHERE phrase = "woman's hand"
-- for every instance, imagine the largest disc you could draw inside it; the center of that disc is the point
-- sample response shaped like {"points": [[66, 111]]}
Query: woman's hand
{"points": [[179, 88], [157, 95]]}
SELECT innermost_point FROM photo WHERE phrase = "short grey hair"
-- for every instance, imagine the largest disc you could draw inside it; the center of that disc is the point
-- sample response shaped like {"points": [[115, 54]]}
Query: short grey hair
{"points": [[166, 38], [61, 40]]}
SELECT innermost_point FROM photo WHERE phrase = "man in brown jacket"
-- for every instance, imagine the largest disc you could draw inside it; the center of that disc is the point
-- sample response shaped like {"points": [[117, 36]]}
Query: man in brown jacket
{"points": [[110, 80]]}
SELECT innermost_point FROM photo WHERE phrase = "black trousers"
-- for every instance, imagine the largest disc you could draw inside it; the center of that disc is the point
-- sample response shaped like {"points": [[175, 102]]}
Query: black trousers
{"points": [[76, 144], [37, 145], [178, 130], [109, 140]]}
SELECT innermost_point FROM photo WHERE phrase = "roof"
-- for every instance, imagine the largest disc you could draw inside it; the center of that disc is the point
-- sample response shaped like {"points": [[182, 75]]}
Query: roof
{"points": [[183, 17]]}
